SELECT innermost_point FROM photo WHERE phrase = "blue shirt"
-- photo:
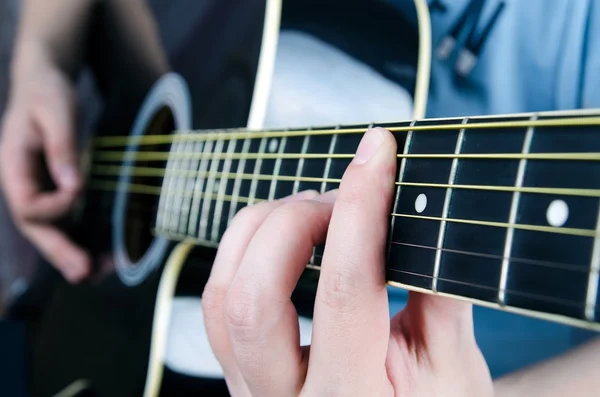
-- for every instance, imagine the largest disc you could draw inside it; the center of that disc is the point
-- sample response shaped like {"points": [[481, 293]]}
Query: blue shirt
{"points": [[539, 55]]}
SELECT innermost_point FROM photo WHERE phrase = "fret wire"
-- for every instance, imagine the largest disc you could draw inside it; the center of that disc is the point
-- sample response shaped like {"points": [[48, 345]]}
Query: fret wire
{"points": [[160, 216], [276, 168], [447, 198], [172, 190], [182, 184], [594, 279], [222, 188], [407, 143], [512, 218], [300, 167], [328, 162], [108, 141], [238, 181], [149, 171], [207, 204], [198, 190], [190, 186], [112, 156], [257, 166]]}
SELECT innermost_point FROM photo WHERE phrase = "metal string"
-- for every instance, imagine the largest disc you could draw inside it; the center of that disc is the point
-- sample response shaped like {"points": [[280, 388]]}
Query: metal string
{"points": [[207, 135]]}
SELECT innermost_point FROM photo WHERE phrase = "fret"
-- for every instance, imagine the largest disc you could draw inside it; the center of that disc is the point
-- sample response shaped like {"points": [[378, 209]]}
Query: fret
{"points": [[252, 166], [301, 164], [180, 181], [186, 184], [205, 147], [401, 167], [472, 254], [236, 189], [312, 168], [257, 171], [591, 301], [288, 167], [344, 144], [174, 190], [562, 287], [447, 199], [222, 188], [327, 167], [513, 216], [209, 191], [161, 218], [410, 255], [277, 166]]}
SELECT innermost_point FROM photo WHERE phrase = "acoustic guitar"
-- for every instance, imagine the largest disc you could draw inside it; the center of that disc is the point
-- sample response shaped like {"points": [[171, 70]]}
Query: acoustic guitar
{"points": [[500, 211]]}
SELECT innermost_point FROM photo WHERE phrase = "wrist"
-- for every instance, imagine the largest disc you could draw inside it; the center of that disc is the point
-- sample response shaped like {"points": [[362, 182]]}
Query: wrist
{"points": [[29, 57]]}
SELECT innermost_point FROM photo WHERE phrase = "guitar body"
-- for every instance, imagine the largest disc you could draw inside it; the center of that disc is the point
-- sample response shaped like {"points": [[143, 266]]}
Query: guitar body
{"points": [[171, 66]]}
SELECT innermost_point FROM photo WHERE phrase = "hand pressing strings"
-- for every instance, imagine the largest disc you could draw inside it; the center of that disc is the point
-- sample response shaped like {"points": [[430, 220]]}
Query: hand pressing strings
{"points": [[428, 349]]}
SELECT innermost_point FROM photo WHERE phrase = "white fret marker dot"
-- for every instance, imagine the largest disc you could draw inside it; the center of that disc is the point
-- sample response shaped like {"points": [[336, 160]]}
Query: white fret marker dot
{"points": [[273, 145], [558, 213], [421, 203]]}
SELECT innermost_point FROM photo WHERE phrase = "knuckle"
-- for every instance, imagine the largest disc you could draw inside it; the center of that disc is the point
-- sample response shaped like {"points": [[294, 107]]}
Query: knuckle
{"points": [[244, 216], [339, 291], [292, 217], [243, 313]]}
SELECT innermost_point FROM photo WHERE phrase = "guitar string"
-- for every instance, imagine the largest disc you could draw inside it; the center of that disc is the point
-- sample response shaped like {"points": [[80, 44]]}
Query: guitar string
{"points": [[571, 267], [161, 172], [312, 266], [119, 156], [205, 135], [156, 190], [534, 262], [541, 297]]}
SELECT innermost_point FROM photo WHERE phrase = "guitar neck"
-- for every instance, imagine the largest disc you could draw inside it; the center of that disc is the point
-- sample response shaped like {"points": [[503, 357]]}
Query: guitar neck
{"points": [[503, 211]]}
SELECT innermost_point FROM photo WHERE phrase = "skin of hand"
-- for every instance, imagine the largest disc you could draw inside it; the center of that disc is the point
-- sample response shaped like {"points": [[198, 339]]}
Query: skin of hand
{"points": [[39, 121], [428, 349]]}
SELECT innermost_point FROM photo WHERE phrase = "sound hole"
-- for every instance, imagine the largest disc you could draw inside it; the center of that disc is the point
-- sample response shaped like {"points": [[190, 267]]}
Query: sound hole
{"points": [[141, 208]]}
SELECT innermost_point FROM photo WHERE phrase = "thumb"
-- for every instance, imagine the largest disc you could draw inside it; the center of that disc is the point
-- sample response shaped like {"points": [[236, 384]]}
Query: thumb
{"points": [[437, 322], [56, 120]]}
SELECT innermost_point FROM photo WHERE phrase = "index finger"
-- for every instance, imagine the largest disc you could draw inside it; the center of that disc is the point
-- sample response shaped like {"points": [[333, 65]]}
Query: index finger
{"points": [[351, 319]]}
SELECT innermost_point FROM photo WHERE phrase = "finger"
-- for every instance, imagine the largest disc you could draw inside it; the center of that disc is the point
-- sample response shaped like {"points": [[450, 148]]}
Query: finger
{"points": [[71, 261], [231, 251], [261, 318], [436, 323], [351, 318], [19, 164], [56, 118]]}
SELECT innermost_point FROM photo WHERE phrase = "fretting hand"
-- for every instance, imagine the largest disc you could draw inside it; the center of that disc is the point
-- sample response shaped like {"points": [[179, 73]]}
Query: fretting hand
{"points": [[429, 349], [39, 121]]}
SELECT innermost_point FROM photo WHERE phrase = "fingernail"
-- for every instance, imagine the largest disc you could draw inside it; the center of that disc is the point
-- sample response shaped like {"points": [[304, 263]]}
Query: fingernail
{"points": [[327, 197], [369, 144], [306, 194], [68, 177]]}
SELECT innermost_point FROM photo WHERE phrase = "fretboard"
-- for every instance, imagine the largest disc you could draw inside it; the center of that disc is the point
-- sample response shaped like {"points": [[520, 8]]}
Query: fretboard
{"points": [[501, 211]]}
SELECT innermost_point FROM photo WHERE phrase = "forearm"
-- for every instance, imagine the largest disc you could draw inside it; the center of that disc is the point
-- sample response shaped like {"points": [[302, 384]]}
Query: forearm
{"points": [[54, 29], [572, 374]]}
